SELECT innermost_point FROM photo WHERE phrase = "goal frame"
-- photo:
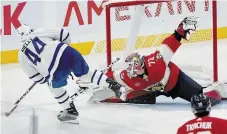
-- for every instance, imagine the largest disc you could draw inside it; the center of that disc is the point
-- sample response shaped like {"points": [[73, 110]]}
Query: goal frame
{"points": [[110, 5]]}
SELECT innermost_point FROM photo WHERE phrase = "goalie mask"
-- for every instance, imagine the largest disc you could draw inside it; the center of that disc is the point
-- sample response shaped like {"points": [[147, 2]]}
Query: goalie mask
{"points": [[135, 65]]}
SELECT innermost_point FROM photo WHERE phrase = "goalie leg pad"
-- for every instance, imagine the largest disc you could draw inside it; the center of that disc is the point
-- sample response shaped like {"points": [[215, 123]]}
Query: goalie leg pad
{"points": [[185, 88], [100, 79]]}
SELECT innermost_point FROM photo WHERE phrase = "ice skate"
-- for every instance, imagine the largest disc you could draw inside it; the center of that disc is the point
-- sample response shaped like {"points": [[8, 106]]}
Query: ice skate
{"points": [[69, 115]]}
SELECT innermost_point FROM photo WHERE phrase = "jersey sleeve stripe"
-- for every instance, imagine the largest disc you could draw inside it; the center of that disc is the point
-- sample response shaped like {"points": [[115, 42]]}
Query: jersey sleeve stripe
{"points": [[66, 37], [34, 75], [61, 33], [166, 53]]}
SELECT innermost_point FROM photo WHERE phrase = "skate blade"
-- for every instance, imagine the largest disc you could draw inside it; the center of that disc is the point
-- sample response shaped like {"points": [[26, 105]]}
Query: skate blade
{"points": [[71, 122]]}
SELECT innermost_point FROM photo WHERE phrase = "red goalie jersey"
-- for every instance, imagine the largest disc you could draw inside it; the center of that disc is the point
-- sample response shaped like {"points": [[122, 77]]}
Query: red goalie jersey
{"points": [[158, 67], [204, 125]]}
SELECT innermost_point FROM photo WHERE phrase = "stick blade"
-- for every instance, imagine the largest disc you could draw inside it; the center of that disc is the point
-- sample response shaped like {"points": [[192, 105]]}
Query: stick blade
{"points": [[7, 114]]}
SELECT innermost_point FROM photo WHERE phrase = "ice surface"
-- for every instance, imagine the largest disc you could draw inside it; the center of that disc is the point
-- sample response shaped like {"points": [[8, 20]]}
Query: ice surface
{"points": [[164, 117]]}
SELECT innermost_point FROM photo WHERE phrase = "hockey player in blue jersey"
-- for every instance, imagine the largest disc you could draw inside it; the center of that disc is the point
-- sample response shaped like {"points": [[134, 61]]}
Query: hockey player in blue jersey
{"points": [[46, 57]]}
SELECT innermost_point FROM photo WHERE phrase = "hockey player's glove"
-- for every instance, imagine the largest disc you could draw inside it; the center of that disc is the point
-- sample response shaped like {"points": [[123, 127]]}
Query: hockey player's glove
{"points": [[187, 27], [117, 88]]}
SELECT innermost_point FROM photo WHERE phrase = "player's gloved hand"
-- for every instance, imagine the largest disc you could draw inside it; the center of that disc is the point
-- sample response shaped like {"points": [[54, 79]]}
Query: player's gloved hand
{"points": [[187, 27]]}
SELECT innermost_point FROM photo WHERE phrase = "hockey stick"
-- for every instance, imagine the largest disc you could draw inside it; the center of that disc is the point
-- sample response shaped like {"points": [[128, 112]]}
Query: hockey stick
{"points": [[109, 66], [82, 90], [19, 100]]}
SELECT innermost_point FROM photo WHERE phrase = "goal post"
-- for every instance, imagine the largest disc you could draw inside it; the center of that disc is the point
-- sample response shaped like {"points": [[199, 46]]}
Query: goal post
{"points": [[215, 43], [138, 25]]}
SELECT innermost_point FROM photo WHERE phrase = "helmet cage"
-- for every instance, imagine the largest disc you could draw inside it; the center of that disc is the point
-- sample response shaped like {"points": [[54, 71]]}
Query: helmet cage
{"points": [[134, 65]]}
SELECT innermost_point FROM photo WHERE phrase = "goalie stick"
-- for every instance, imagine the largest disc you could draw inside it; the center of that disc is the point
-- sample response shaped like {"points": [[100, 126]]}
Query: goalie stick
{"points": [[19, 100], [83, 89], [109, 66]]}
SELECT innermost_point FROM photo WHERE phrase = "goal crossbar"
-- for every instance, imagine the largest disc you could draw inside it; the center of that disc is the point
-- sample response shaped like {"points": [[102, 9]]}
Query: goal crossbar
{"points": [[110, 4]]}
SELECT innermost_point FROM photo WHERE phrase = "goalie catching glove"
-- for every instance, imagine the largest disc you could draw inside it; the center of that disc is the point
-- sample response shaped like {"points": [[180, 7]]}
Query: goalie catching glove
{"points": [[187, 27]]}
